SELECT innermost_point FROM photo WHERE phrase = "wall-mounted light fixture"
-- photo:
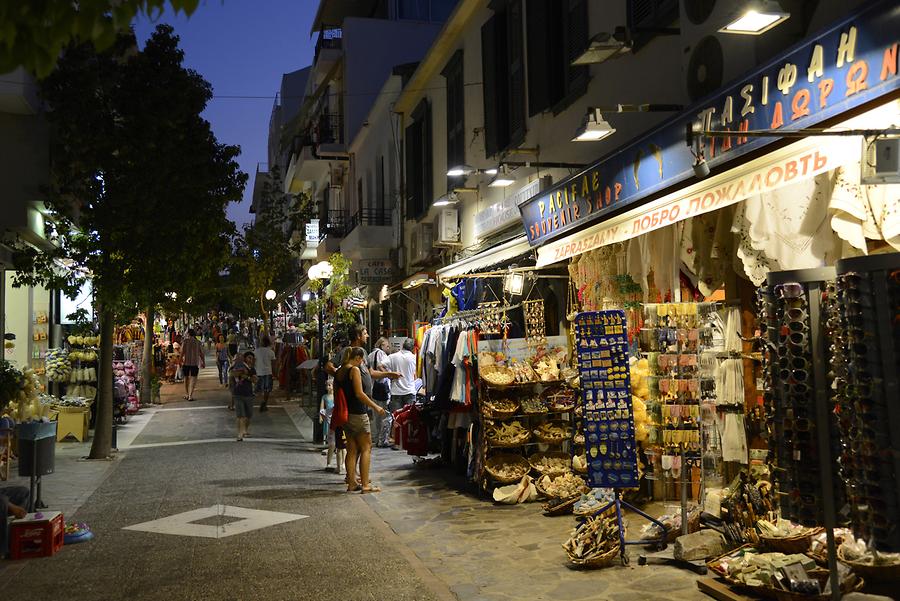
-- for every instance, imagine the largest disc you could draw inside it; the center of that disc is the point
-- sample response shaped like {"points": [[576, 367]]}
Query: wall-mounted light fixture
{"points": [[514, 283], [756, 19], [593, 128], [605, 46], [305, 297], [502, 179], [450, 198], [461, 170]]}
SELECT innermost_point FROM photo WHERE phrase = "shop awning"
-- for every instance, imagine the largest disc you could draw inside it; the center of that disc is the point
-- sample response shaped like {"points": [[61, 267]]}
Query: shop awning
{"points": [[793, 163], [504, 252]]}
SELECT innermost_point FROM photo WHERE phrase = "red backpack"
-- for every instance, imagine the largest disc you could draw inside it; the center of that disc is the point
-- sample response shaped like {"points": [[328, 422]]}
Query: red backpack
{"points": [[339, 414]]}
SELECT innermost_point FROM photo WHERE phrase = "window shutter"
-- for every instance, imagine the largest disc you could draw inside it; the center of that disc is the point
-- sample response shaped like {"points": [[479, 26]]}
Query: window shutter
{"points": [[489, 85], [413, 159], [516, 73], [537, 21], [456, 146], [575, 36], [649, 14], [427, 160]]}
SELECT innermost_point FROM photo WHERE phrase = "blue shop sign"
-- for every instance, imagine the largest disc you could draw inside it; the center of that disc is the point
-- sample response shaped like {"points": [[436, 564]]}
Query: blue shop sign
{"points": [[850, 64]]}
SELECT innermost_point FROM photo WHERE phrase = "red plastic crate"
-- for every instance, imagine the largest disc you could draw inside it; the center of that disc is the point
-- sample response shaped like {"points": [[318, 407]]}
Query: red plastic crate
{"points": [[36, 538]]}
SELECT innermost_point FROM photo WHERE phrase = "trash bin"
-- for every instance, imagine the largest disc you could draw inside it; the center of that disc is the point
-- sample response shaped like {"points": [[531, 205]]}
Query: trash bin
{"points": [[37, 448]]}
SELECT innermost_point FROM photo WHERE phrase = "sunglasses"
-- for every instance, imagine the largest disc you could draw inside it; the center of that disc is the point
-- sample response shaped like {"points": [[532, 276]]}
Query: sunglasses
{"points": [[789, 290]]}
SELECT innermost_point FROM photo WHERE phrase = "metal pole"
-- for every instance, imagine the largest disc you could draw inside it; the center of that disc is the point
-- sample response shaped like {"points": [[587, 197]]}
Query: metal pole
{"points": [[321, 376]]}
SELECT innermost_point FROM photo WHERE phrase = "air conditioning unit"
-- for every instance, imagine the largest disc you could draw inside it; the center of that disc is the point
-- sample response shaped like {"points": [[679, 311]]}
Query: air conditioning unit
{"points": [[712, 59], [421, 244], [446, 232]]}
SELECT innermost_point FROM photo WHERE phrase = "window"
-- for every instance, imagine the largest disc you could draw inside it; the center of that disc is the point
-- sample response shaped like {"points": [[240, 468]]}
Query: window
{"points": [[649, 15], [359, 196], [557, 34], [419, 174], [456, 131], [503, 74], [379, 185]]}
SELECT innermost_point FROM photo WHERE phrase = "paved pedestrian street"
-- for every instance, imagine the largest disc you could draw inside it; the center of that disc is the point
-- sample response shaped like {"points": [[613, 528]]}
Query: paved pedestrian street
{"points": [[185, 512]]}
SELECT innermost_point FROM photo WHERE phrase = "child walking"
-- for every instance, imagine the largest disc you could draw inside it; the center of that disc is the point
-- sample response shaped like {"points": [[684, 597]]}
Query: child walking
{"points": [[243, 378], [326, 408]]}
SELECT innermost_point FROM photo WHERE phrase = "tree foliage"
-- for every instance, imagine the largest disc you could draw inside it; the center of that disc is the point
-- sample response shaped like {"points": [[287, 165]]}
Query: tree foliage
{"points": [[34, 33], [333, 296], [138, 185]]}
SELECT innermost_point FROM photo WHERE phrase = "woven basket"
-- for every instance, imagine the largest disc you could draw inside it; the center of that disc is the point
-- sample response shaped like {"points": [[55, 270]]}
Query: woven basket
{"points": [[799, 543], [497, 376], [848, 586], [562, 507], [549, 440], [560, 398], [534, 459], [490, 410], [871, 572], [603, 560], [543, 492], [515, 442], [491, 464]]}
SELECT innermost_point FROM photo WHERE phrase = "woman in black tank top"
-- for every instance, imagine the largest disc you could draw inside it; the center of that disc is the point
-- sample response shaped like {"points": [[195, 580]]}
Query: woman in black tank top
{"points": [[357, 429]]}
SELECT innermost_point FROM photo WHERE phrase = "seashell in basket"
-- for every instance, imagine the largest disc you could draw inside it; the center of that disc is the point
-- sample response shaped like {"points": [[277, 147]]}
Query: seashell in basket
{"points": [[500, 407], [552, 431], [496, 375], [550, 464], [507, 468]]}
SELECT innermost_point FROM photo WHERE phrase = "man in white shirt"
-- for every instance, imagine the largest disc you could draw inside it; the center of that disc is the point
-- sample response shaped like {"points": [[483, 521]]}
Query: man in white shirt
{"points": [[403, 389], [265, 367]]}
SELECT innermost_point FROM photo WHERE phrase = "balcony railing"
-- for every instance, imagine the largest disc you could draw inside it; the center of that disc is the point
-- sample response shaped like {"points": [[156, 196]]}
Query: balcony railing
{"points": [[324, 129], [369, 217], [328, 39], [335, 224]]}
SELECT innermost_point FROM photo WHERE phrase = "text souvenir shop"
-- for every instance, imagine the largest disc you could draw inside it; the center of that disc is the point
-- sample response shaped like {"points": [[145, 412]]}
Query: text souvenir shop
{"points": [[736, 276], [712, 321]]}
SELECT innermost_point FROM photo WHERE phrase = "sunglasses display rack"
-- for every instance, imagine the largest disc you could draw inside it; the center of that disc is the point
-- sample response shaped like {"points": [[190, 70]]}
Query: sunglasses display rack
{"points": [[866, 362], [601, 339], [797, 373]]}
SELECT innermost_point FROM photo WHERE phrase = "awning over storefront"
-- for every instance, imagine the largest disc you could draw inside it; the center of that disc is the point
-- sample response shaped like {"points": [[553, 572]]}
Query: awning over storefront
{"points": [[792, 164], [789, 165], [498, 254]]}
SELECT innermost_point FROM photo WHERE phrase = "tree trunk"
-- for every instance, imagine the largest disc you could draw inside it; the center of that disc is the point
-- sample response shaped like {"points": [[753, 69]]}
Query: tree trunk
{"points": [[147, 365], [102, 444]]}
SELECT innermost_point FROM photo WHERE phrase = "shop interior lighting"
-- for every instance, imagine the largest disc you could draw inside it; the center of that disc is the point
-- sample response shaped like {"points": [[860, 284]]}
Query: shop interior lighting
{"points": [[461, 170], [757, 19], [450, 198], [514, 283], [593, 128], [417, 280], [271, 294], [502, 179]]}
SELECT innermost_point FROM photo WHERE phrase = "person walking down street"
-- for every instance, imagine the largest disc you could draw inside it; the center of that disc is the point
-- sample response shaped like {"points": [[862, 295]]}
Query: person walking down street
{"points": [[222, 360], [192, 360], [243, 380], [357, 429], [403, 389], [265, 367], [381, 392]]}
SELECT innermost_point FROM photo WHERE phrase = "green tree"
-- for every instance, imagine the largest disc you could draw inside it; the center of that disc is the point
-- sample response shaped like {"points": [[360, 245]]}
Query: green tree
{"points": [[33, 34], [139, 187], [265, 251]]}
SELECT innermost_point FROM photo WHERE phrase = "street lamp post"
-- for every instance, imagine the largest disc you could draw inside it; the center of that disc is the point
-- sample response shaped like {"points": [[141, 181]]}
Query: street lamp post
{"points": [[321, 272]]}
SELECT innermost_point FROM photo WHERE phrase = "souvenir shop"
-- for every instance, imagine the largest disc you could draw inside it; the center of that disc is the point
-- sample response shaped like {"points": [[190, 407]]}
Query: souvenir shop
{"points": [[728, 337]]}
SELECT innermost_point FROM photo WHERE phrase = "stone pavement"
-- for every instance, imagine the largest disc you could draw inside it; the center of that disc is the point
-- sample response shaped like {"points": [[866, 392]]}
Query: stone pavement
{"points": [[422, 538]]}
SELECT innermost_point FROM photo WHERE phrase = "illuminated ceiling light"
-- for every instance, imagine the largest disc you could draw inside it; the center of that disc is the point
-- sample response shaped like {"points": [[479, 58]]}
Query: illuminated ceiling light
{"points": [[305, 297], [414, 281], [605, 46], [460, 170], [757, 20], [491, 171], [502, 179], [593, 128]]}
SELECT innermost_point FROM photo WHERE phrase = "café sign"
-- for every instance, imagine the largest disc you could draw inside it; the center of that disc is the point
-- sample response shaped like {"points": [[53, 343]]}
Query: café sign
{"points": [[848, 65], [374, 271]]}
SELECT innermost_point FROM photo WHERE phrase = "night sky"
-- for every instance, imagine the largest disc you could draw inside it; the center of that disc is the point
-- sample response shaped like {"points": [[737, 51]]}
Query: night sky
{"points": [[242, 47]]}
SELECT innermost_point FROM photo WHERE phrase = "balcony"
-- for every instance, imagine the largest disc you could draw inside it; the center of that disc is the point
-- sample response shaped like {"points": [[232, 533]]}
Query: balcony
{"points": [[328, 40], [331, 231], [369, 235], [327, 53], [313, 150]]}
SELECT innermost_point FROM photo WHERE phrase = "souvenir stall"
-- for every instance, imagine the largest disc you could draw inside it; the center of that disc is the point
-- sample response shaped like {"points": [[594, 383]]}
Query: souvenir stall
{"points": [[759, 300]]}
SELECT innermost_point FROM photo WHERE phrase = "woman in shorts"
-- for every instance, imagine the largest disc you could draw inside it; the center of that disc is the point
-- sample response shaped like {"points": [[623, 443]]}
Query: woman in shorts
{"points": [[357, 429]]}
